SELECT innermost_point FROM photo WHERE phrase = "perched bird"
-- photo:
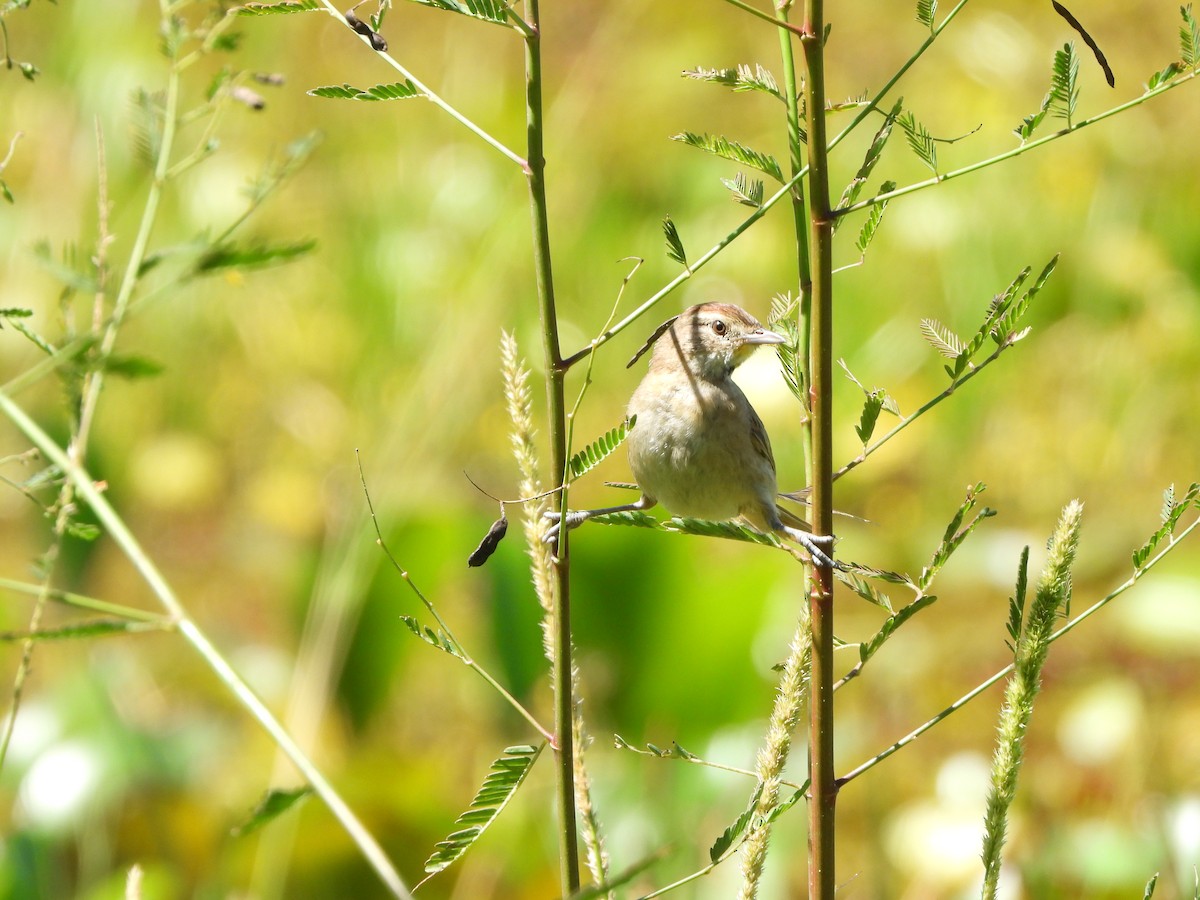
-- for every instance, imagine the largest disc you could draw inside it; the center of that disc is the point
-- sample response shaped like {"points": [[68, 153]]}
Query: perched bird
{"points": [[698, 447]]}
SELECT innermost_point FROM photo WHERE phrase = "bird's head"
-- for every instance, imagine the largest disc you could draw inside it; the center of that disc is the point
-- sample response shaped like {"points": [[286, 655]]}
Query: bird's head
{"points": [[711, 339]]}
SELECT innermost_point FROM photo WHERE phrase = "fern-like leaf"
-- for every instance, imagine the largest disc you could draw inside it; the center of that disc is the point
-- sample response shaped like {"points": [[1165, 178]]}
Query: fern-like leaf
{"points": [[955, 534], [273, 9], [1189, 38], [400, 90], [727, 530], [941, 338], [722, 844], [732, 150], [629, 517], [869, 648], [1030, 123], [745, 192], [1064, 83], [674, 242], [866, 234], [1163, 76], [743, 78], [600, 449], [493, 11], [864, 588], [854, 188], [250, 256], [783, 321], [1172, 510], [920, 141], [506, 775], [926, 10]]}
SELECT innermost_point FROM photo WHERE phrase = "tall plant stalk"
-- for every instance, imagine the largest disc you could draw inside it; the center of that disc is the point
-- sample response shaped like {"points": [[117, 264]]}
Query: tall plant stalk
{"points": [[568, 840], [823, 791]]}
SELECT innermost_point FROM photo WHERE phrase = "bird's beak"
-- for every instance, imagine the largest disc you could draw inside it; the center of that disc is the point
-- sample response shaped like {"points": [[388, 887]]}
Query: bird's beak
{"points": [[762, 336]]}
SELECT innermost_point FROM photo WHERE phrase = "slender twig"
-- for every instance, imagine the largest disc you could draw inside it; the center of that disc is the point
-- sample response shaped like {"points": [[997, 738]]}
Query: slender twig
{"points": [[984, 685], [706, 763], [916, 414], [120, 533], [1016, 151], [766, 17], [431, 96], [461, 653]]}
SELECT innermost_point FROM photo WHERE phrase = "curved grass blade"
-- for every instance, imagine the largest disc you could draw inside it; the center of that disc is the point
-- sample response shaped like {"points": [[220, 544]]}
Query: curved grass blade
{"points": [[274, 803], [497, 789]]}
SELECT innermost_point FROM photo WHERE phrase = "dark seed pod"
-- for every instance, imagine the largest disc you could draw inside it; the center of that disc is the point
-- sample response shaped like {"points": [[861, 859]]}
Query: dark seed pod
{"points": [[490, 542], [378, 42]]}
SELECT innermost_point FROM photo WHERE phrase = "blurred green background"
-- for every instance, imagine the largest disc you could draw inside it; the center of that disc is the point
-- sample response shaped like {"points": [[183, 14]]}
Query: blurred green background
{"points": [[236, 465]]}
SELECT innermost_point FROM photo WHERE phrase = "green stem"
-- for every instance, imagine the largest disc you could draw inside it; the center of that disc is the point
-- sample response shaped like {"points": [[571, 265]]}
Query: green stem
{"points": [[823, 792], [1007, 670], [779, 19], [1016, 151], [430, 95], [83, 602], [117, 530], [564, 701]]}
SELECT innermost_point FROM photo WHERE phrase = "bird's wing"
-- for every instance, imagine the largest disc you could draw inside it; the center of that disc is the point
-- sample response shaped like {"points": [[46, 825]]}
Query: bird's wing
{"points": [[759, 440]]}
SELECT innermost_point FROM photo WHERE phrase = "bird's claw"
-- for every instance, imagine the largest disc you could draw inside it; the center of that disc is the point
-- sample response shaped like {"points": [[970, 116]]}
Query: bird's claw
{"points": [[818, 547]]}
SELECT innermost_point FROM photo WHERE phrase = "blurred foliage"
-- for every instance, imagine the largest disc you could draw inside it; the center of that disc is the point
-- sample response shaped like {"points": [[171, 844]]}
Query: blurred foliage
{"points": [[235, 464]]}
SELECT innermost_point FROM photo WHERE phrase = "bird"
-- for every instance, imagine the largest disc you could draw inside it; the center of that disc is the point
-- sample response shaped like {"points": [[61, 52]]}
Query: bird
{"points": [[697, 446]]}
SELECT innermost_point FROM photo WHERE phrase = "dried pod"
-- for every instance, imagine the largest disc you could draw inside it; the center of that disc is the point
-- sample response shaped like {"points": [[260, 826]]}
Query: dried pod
{"points": [[490, 542]]}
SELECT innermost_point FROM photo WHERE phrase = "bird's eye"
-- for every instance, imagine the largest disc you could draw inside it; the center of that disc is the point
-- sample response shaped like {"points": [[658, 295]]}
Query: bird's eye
{"points": [[719, 327]]}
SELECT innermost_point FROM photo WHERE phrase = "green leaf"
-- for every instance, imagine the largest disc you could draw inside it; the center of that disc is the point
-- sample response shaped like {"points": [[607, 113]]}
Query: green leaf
{"points": [[250, 256], [1160, 78], [630, 517], [132, 367], [15, 312], [1172, 511], [438, 638], [92, 628], [941, 338], [926, 9], [870, 647], [874, 152], [1189, 38], [745, 192], [722, 844], [920, 141], [600, 449], [1016, 603], [874, 216], [493, 11], [273, 804], [869, 416], [732, 150], [7, 194], [29, 70], [399, 90], [73, 277], [1030, 123], [674, 243], [953, 537], [274, 9], [782, 319], [147, 123], [1150, 886], [507, 773], [726, 530], [740, 79], [864, 588], [1064, 87]]}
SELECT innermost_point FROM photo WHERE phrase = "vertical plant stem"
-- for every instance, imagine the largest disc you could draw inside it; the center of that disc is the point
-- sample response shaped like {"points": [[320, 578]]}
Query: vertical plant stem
{"points": [[568, 840], [821, 879]]}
